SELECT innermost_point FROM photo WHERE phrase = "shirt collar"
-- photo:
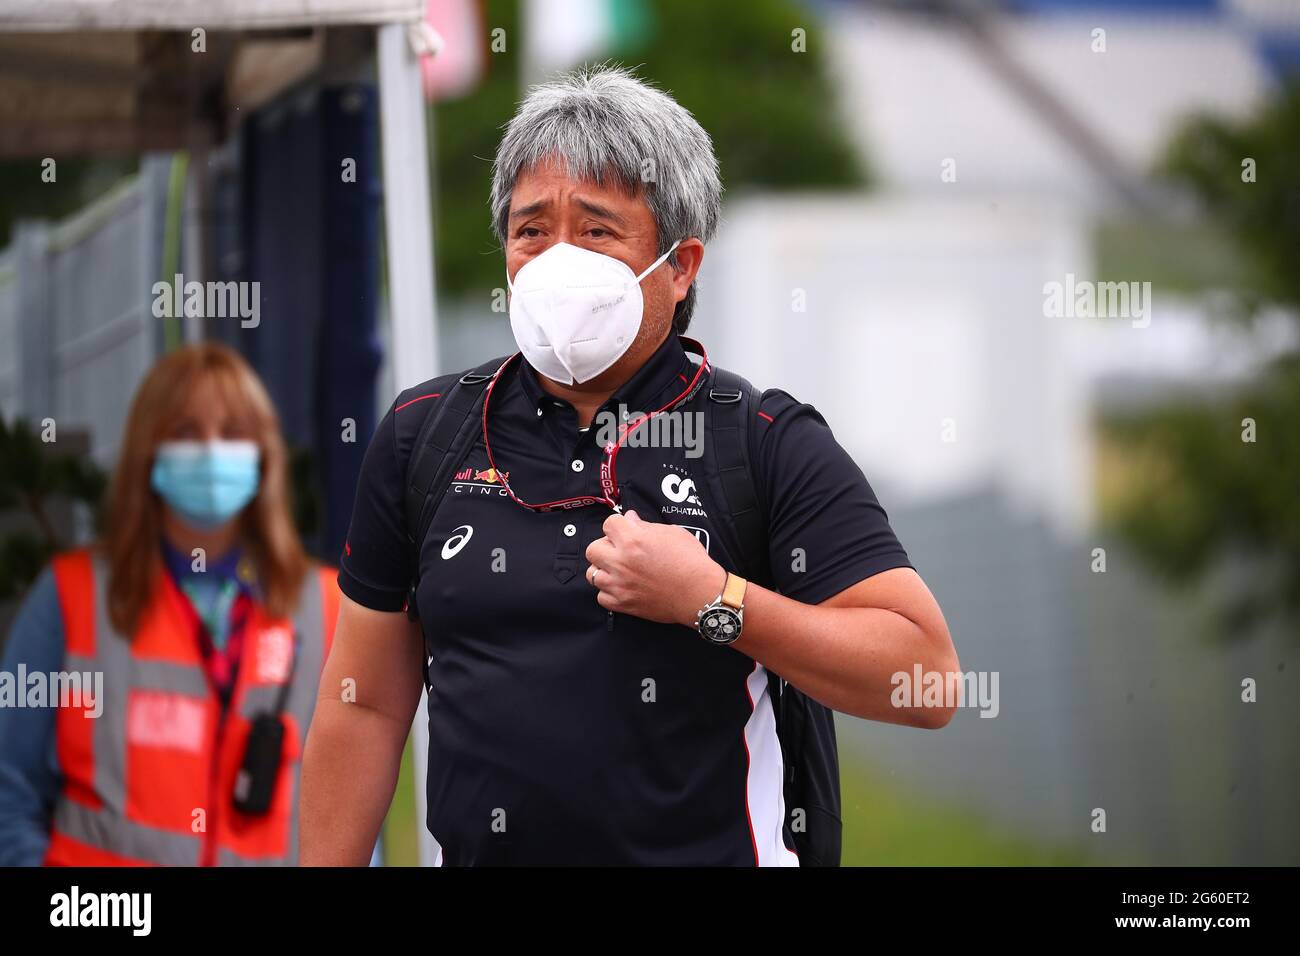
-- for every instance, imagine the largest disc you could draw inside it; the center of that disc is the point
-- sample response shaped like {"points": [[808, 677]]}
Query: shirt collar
{"points": [[227, 566], [658, 381]]}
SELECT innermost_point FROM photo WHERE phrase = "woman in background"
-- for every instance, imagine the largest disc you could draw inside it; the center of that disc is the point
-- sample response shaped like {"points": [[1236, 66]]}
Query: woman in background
{"points": [[209, 626]]}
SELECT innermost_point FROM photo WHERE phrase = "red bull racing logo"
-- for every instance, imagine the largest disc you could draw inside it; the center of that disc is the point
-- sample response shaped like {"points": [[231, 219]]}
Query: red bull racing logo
{"points": [[489, 475], [483, 481]]}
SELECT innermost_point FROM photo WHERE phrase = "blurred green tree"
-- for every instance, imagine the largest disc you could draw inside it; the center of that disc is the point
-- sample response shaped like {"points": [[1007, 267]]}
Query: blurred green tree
{"points": [[32, 478], [81, 179], [770, 110], [1211, 504]]}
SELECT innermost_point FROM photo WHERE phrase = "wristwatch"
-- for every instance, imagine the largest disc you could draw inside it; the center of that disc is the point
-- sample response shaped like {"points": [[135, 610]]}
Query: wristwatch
{"points": [[721, 620]]}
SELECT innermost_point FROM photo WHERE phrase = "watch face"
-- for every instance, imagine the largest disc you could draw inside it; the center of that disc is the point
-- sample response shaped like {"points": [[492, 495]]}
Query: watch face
{"points": [[721, 625]]}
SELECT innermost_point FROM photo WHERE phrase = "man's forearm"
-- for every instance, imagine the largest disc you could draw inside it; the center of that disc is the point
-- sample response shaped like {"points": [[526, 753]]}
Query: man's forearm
{"points": [[843, 652], [844, 657], [349, 772]]}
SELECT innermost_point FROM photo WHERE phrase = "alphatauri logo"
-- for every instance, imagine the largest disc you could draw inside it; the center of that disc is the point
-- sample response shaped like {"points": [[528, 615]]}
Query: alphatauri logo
{"points": [[683, 499], [459, 538], [678, 489]]}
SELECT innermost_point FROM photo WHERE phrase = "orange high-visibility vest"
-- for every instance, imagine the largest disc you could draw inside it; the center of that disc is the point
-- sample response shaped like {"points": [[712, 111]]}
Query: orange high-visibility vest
{"points": [[151, 779]]}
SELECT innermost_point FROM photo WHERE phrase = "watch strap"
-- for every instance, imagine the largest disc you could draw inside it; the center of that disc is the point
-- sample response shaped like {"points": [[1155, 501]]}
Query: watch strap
{"points": [[733, 592]]}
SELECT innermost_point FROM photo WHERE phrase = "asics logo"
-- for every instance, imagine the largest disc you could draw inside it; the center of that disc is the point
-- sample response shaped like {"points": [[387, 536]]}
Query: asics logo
{"points": [[459, 538]]}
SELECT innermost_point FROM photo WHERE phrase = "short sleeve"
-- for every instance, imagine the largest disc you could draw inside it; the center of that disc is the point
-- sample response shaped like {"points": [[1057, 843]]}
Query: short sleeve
{"points": [[827, 531], [375, 567]]}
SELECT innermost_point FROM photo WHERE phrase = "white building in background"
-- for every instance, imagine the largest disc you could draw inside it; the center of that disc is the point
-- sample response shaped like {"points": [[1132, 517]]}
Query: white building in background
{"points": [[916, 326], [915, 318]]}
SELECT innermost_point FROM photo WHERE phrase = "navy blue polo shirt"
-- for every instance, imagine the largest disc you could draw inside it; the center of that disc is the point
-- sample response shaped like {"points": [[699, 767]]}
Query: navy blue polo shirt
{"points": [[559, 732]]}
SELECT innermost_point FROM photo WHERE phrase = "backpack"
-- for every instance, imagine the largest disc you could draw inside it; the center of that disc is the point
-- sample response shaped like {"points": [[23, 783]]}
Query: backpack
{"points": [[805, 728]]}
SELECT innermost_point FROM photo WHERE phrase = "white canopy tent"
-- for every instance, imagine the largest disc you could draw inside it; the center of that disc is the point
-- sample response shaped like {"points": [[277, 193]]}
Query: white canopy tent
{"points": [[112, 68], [57, 15]]}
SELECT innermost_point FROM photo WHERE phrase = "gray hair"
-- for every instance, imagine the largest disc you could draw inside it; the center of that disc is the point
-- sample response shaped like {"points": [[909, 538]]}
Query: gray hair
{"points": [[605, 124]]}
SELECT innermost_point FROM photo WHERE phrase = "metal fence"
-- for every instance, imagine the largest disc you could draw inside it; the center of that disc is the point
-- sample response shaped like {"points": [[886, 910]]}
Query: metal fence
{"points": [[77, 331], [1115, 693]]}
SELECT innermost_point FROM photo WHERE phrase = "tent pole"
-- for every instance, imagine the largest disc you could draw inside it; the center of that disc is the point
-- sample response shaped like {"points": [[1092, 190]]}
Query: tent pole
{"points": [[411, 305], [408, 231]]}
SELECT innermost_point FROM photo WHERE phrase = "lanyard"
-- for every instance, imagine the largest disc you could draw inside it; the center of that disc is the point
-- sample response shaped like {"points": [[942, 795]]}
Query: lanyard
{"points": [[214, 613], [608, 482]]}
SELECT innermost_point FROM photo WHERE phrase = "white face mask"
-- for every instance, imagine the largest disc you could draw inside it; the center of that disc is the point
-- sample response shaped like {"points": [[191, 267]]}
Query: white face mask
{"points": [[575, 312]]}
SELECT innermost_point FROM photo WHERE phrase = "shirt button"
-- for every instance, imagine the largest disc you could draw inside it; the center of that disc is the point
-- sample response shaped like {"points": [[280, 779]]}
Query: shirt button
{"points": [[576, 465], [570, 530], [539, 411]]}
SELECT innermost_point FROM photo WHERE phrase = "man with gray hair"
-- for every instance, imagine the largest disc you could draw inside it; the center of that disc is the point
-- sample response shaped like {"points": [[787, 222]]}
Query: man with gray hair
{"points": [[599, 624]]}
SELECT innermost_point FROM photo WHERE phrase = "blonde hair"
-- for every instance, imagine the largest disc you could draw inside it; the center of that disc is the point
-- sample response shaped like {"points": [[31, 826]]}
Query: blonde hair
{"points": [[134, 523]]}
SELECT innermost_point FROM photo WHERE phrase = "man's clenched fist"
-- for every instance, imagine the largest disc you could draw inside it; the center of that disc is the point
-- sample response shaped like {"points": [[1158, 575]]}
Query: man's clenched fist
{"points": [[659, 572]]}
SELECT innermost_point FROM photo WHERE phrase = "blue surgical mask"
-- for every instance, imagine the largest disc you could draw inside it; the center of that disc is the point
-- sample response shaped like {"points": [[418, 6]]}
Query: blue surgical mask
{"points": [[206, 482]]}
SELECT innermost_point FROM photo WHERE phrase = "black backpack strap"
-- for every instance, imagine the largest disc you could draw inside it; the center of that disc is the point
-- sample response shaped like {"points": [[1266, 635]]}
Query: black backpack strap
{"points": [[806, 728], [444, 439], [732, 405], [728, 413]]}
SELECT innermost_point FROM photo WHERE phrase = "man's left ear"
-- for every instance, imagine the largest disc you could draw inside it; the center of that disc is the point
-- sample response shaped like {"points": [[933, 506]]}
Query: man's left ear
{"points": [[689, 255]]}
